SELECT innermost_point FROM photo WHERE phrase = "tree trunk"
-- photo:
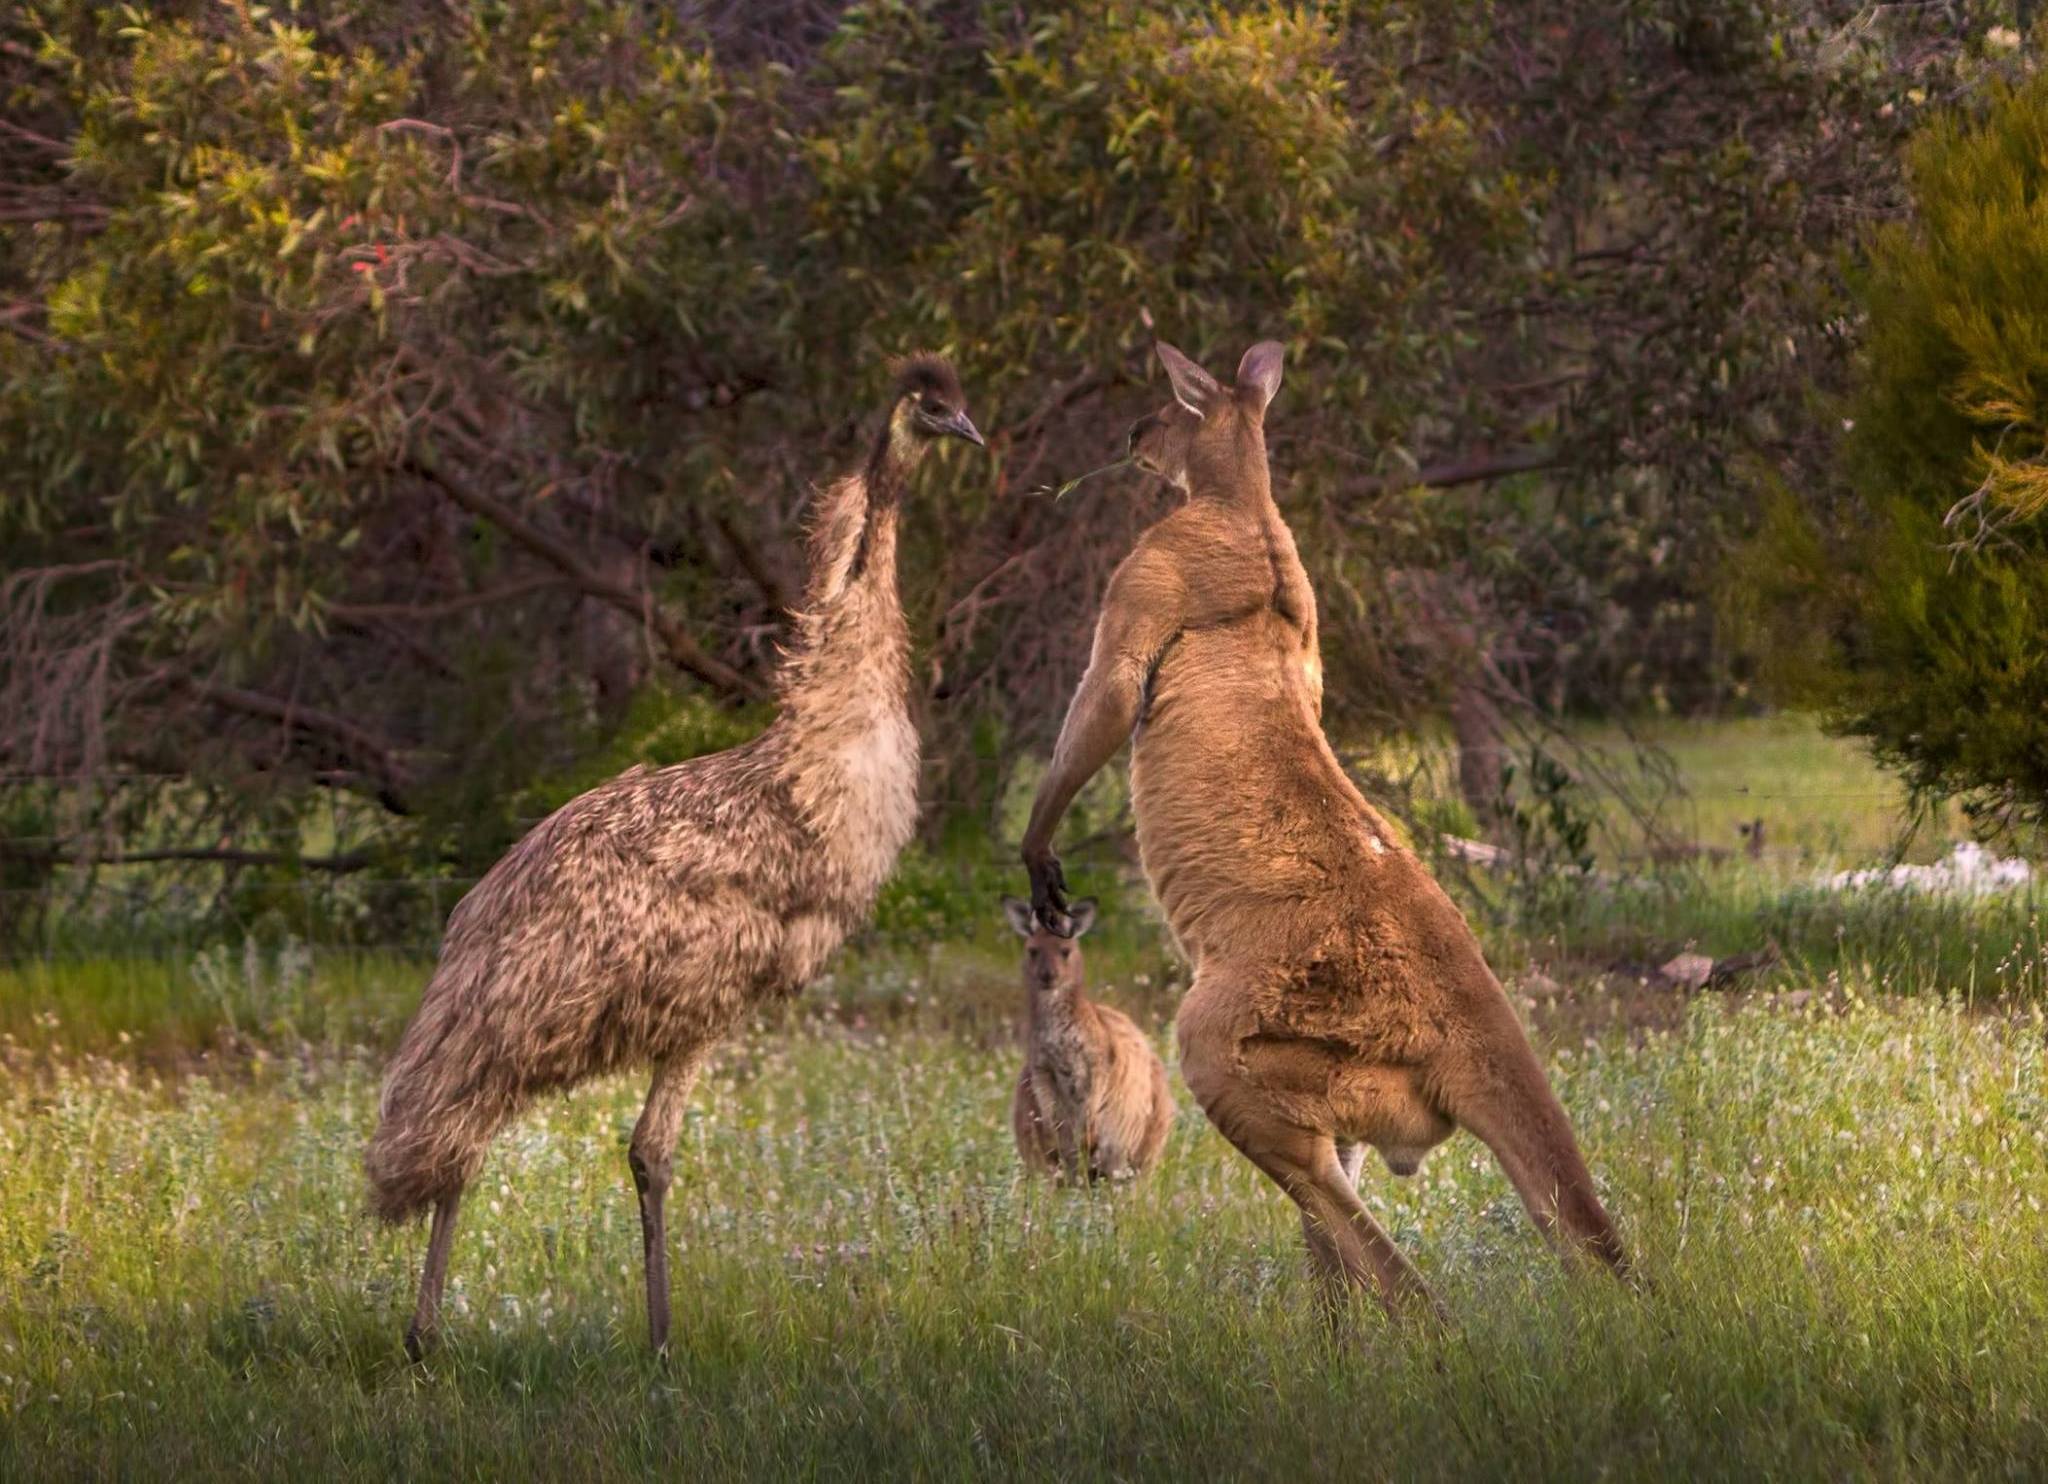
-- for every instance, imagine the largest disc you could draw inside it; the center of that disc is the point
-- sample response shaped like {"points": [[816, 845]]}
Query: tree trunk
{"points": [[1475, 726]]}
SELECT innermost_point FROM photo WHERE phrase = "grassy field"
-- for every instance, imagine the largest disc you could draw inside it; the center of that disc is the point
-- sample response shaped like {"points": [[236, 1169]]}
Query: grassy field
{"points": [[1834, 1180], [1840, 1211], [1822, 800]]}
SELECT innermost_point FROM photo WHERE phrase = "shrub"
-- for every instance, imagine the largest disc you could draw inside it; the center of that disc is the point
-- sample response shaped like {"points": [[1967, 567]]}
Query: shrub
{"points": [[1913, 596]]}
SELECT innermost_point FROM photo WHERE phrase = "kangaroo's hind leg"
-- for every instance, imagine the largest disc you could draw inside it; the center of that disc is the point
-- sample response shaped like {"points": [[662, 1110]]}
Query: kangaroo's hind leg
{"points": [[1333, 1288], [1303, 1162], [1352, 1248], [1500, 1093]]}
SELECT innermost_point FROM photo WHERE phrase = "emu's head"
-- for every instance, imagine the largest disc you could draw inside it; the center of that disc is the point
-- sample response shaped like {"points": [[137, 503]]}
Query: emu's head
{"points": [[929, 406], [1051, 962], [1210, 437]]}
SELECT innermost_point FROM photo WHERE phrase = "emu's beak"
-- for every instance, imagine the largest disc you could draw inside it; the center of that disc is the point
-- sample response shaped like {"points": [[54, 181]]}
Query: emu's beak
{"points": [[959, 425]]}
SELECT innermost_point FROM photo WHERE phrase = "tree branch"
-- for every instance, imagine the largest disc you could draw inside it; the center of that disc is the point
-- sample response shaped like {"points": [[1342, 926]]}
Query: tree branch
{"points": [[338, 731], [352, 860], [683, 651], [1472, 470], [47, 211], [1062, 396], [755, 563], [359, 612]]}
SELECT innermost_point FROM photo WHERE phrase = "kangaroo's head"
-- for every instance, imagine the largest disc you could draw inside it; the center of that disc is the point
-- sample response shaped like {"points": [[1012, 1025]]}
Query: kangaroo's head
{"points": [[1052, 963], [1210, 439]]}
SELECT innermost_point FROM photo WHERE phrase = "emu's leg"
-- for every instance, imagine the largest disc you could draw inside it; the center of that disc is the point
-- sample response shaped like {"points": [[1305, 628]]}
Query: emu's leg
{"points": [[652, 1158], [419, 1336]]}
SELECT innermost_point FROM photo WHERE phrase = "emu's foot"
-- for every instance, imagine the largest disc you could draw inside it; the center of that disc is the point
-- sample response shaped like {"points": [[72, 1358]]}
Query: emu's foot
{"points": [[417, 1343]]}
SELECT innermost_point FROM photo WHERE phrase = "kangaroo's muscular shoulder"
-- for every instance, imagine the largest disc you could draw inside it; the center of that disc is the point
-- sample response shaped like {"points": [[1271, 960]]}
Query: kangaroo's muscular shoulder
{"points": [[1213, 557], [1293, 597]]}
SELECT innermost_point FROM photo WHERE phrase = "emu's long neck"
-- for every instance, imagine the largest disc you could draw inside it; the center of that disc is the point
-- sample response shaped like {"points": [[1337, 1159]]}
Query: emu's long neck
{"points": [[849, 667]]}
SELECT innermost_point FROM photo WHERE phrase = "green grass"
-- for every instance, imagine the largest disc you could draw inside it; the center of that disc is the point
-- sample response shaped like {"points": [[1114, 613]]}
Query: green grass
{"points": [[1979, 948], [1841, 1214], [173, 1007], [1838, 1197], [1821, 798]]}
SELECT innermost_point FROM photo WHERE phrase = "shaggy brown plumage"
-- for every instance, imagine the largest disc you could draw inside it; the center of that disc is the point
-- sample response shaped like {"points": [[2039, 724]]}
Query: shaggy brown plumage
{"points": [[1339, 997], [639, 922], [1092, 1101]]}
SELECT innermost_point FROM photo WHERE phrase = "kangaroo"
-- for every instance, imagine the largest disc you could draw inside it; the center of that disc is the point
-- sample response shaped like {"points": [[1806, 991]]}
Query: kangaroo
{"points": [[1339, 998], [1092, 1099]]}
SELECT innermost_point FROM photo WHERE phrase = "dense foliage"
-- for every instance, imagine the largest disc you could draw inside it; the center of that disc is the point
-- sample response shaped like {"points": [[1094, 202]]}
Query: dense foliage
{"points": [[398, 397], [1926, 562]]}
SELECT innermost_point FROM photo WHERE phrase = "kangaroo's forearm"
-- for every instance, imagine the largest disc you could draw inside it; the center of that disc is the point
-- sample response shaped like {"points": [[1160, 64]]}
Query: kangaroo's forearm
{"points": [[1105, 709]]}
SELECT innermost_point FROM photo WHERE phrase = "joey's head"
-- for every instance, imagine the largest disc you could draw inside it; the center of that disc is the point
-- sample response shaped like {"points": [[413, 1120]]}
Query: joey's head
{"points": [[1052, 963], [1210, 439], [929, 406]]}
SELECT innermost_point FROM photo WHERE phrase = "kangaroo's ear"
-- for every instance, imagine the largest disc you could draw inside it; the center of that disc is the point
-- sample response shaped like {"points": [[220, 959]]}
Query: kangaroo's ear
{"points": [[1258, 374], [1082, 915], [1194, 388], [1019, 914]]}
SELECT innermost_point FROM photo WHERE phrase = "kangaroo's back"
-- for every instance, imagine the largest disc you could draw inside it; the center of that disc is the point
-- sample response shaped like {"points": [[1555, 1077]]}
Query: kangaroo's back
{"points": [[1247, 821]]}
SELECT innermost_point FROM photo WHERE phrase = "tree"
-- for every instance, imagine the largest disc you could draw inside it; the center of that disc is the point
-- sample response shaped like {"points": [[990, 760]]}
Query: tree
{"points": [[398, 396], [1912, 592]]}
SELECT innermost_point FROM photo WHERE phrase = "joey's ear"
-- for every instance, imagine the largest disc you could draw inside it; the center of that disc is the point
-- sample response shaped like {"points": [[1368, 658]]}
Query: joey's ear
{"points": [[1082, 915], [1258, 374], [1019, 914], [1194, 388]]}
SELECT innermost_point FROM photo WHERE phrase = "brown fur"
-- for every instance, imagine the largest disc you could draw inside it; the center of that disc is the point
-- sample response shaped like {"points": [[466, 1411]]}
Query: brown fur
{"points": [[1092, 1100], [640, 922], [1339, 997]]}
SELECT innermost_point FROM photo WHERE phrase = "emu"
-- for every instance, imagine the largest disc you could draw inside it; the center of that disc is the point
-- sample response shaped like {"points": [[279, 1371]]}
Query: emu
{"points": [[1339, 997], [1092, 1101], [639, 922]]}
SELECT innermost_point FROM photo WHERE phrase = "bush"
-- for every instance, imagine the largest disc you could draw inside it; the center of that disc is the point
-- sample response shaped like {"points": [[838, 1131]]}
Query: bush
{"points": [[1927, 567]]}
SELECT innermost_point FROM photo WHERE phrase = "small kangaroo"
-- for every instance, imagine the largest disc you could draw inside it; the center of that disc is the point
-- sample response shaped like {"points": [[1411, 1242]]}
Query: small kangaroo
{"points": [[1092, 1099], [1339, 997]]}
